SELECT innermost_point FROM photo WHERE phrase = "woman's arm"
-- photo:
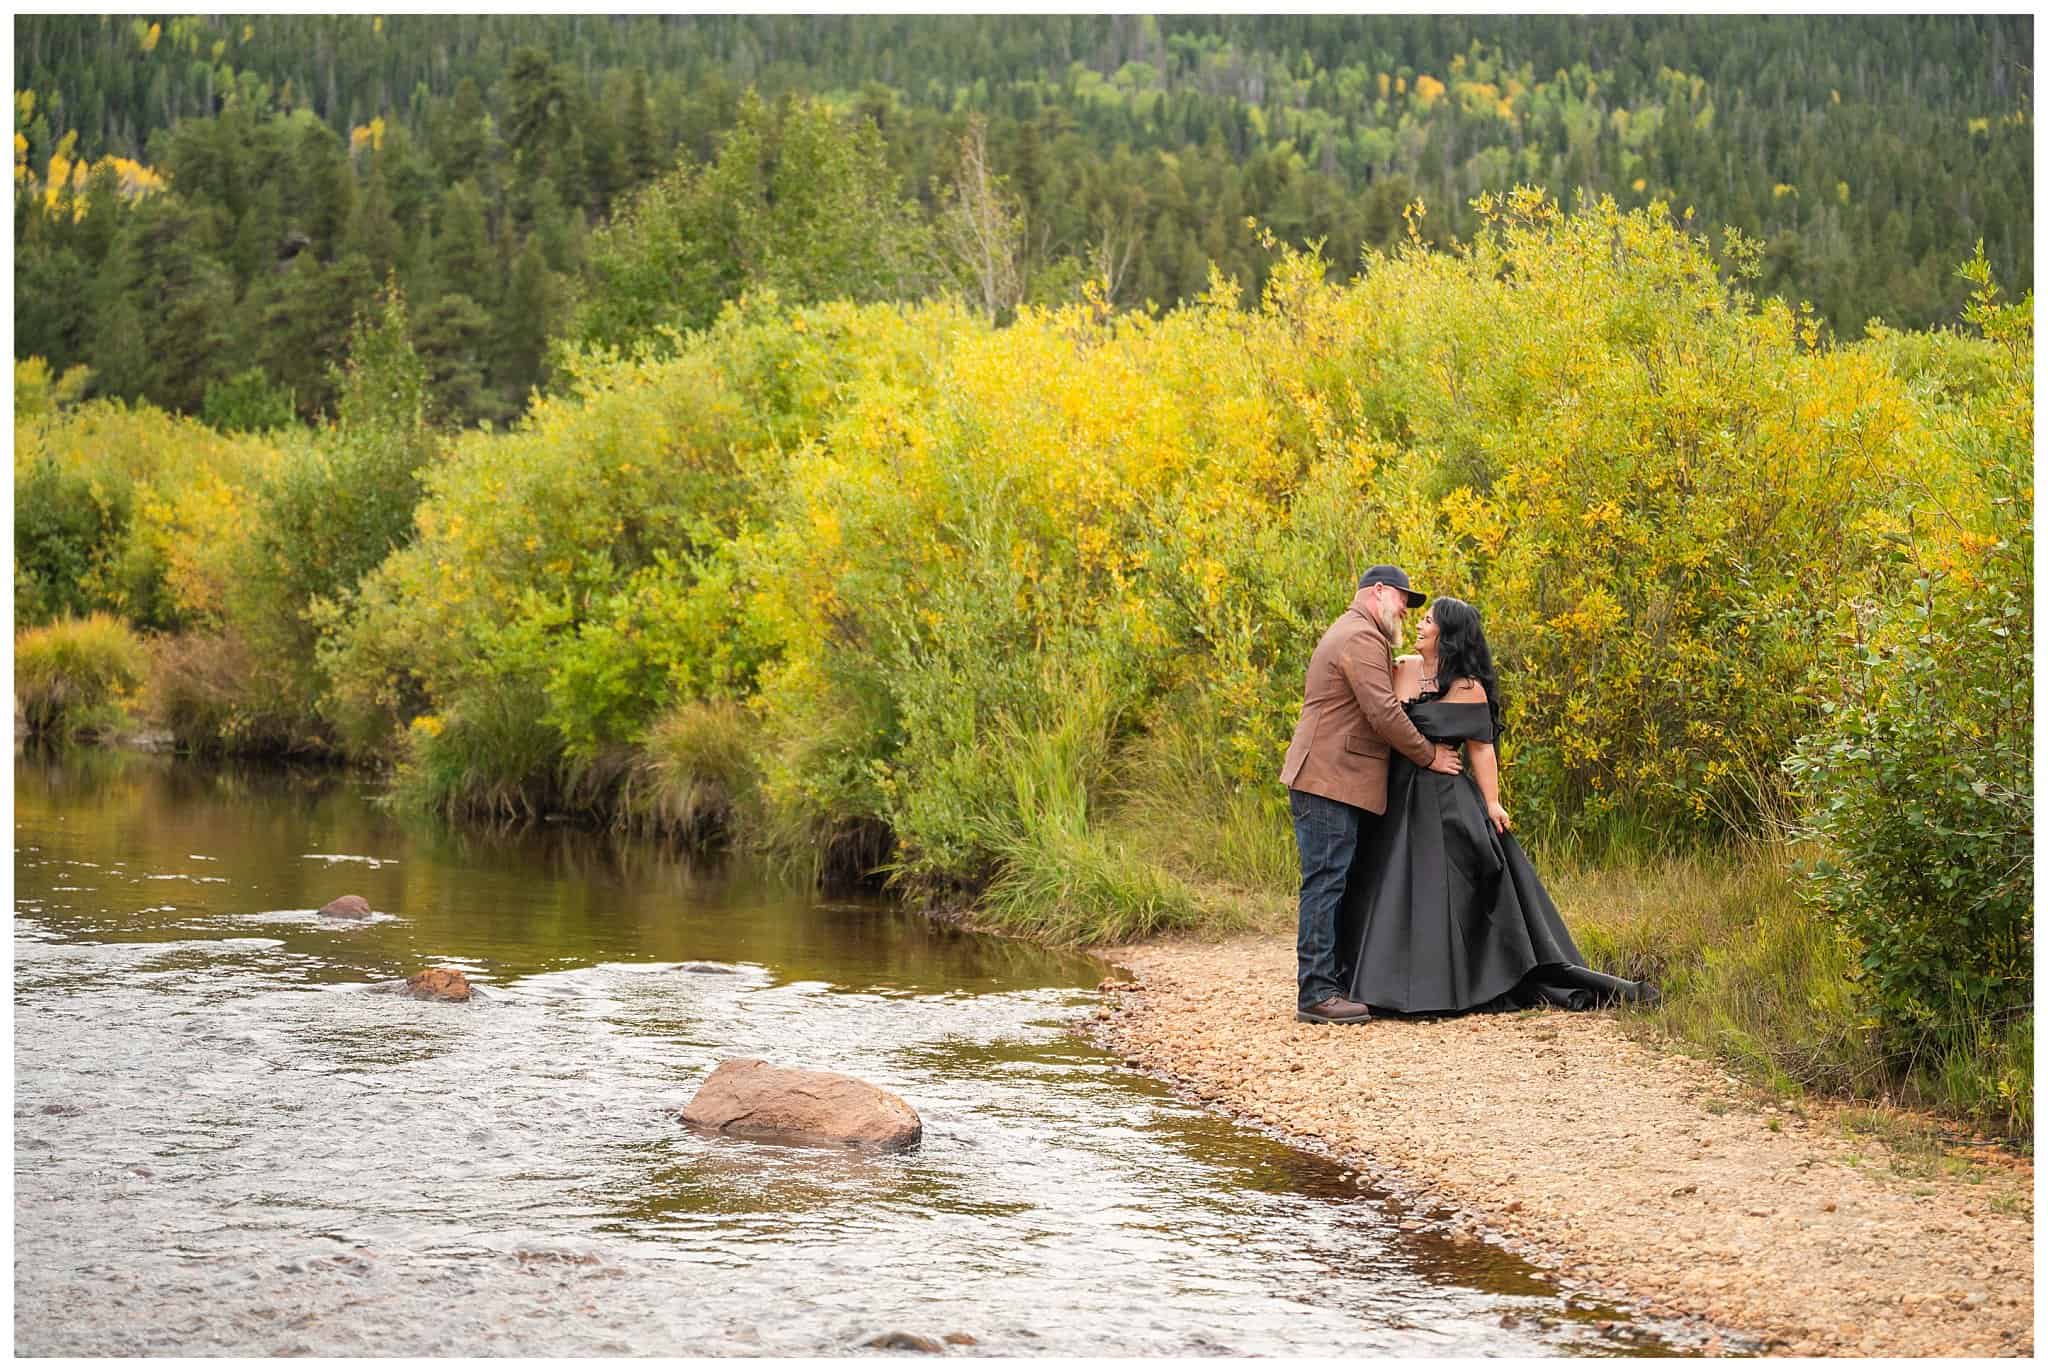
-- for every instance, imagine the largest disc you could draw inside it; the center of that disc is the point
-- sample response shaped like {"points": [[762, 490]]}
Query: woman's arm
{"points": [[1486, 771], [1485, 763]]}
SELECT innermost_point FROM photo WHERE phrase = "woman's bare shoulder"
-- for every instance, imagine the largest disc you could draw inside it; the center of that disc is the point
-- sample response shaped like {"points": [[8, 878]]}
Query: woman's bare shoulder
{"points": [[1465, 691]]}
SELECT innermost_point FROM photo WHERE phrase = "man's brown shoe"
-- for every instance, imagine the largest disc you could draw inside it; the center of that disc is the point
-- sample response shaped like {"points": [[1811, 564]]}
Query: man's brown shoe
{"points": [[1335, 1010]]}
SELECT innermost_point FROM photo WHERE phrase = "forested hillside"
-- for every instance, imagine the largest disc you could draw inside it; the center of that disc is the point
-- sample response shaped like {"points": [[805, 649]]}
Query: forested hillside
{"points": [[204, 204]]}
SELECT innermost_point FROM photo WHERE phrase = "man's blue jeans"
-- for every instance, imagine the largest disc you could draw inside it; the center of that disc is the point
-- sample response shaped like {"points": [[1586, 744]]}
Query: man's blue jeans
{"points": [[1326, 832]]}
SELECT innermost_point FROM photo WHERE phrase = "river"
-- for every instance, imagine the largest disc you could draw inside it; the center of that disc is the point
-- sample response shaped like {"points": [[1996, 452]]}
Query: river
{"points": [[225, 1144]]}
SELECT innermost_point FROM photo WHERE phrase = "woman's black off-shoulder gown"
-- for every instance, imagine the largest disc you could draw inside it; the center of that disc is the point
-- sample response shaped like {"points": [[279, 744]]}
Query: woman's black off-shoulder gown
{"points": [[1443, 914]]}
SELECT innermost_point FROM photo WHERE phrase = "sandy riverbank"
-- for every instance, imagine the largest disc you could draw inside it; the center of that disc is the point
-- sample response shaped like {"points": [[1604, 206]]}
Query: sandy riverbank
{"points": [[1646, 1177]]}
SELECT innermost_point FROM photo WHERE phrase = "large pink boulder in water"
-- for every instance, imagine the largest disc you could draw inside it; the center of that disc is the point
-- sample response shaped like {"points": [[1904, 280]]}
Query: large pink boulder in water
{"points": [[749, 1098], [352, 907]]}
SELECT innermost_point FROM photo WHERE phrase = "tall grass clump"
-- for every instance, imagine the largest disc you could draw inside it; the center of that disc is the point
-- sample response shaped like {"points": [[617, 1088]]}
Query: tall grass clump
{"points": [[1059, 874], [490, 758], [74, 677], [696, 775], [1176, 801]]}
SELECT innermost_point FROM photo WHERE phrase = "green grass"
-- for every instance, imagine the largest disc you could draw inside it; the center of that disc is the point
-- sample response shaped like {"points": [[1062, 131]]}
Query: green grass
{"points": [[696, 774], [1235, 841], [491, 758], [1757, 978], [1061, 875], [73, 678]]}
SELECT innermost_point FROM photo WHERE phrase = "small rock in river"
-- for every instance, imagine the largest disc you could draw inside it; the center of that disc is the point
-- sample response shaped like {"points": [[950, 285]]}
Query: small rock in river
{"points": [[907, 1343], [967, 1340], [717, 967], [747, 1097], [348, 907], [438, 983]]}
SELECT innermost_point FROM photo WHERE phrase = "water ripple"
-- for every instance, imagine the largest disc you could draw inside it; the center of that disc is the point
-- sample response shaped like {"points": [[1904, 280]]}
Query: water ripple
{"points": [[227, 1142]]}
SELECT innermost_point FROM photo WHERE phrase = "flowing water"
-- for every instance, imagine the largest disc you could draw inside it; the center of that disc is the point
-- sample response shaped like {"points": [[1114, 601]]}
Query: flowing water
{"points": [[226, 1144]]}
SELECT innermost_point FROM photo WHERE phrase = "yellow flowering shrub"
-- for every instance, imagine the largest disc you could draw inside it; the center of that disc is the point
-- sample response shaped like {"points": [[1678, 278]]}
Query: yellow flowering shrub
{"points": [[896, 533], [127, 509]]}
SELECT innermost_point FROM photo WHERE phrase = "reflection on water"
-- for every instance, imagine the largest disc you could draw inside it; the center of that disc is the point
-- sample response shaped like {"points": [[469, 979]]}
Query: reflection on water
{"points": [[224, 1144]]}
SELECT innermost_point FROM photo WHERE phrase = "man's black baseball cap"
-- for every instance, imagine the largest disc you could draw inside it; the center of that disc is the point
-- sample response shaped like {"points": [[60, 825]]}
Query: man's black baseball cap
{"points": [[1384, 575]]}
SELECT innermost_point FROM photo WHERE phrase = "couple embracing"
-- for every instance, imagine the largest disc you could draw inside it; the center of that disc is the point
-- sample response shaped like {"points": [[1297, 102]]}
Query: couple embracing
{"points": [[1415, 897]]}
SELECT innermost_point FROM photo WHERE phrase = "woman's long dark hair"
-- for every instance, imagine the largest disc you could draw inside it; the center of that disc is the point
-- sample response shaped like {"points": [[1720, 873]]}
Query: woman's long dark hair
{"points": [[1461, 651]]}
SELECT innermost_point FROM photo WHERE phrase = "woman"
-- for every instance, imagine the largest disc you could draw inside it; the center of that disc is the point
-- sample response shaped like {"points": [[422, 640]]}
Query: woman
{"points": [[1454, 918]]}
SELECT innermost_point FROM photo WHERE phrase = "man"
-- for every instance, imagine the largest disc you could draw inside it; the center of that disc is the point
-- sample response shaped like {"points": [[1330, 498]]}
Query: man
{"points": [[1336, 773]]}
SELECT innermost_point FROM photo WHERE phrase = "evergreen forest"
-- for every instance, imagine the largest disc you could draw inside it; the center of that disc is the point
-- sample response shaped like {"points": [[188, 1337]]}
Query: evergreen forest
{"points": [[204, 204]]}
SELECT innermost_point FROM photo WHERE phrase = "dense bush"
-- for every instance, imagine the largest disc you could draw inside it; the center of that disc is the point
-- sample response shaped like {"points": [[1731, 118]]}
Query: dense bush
{"points": [[1920, 779], [888, 530], [214, 695], [247, 403], [74, 677], [124, 510]]}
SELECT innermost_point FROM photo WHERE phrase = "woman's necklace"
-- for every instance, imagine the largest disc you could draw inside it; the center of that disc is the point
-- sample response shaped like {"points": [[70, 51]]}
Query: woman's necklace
{"points": [[1429, 683]]}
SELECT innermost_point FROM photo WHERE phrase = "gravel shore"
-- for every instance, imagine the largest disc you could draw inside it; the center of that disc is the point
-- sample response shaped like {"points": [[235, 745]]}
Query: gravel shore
{"points": [[1648, 1178]]}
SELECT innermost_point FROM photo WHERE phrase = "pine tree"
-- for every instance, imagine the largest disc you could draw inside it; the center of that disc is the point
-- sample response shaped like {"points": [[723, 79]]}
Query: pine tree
{"points": [[524, 324], [641, 143], [374, 231], [326, 188], [462, 246], [453, 337]]}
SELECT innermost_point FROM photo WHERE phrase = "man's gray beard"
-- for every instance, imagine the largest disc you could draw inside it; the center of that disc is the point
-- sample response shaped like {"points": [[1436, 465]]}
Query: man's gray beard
{"points": [[1389, 621]]}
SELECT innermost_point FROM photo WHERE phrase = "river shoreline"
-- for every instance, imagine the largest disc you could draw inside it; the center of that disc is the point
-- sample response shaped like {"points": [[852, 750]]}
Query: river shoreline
{"points": [[1640, 1177]]}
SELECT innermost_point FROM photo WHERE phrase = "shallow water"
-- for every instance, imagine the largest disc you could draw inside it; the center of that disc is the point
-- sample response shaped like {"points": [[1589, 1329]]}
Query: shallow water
{"points": [[225, 1144]]}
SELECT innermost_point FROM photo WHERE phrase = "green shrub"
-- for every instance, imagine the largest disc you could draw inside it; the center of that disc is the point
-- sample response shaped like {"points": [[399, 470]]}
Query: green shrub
{"points": [[73, 678], [1920, 781], [341, 501], [65, 523], [248, 403], [133, 511]]}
